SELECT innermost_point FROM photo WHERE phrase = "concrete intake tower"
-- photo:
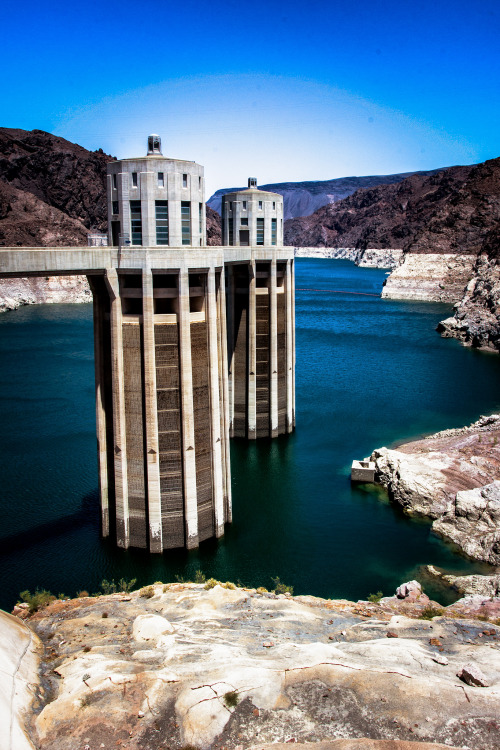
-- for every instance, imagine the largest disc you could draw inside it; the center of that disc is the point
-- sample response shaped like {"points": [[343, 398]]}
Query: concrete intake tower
{"points": [[193, 344]]}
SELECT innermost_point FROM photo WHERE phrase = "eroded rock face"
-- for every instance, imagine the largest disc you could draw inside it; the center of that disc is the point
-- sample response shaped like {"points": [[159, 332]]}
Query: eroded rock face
{"points": [[431, 277], [473, 522], [477, 318], [369, 258], [35, 290], [448, 477], [191, 666], [482, 585]]}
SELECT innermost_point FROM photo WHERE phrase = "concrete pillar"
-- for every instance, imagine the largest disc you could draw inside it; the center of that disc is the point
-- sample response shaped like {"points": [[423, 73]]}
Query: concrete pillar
{"points": [[225, 400], [292, 263], [273, 348], [187, 414], [100, 408], [215, 407], [230, 344], [252, 354], [120, 447], [151, 415], [289, 338]]}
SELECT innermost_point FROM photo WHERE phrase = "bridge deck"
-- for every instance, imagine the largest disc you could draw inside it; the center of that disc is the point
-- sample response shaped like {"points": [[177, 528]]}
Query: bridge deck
{"points": [[61, 261]]}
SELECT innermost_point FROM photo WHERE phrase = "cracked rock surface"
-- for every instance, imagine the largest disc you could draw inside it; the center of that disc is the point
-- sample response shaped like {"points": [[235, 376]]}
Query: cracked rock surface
{"points": [[230, 668]]}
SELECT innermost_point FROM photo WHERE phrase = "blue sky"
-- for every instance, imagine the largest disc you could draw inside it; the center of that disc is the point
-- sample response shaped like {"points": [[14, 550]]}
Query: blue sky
{"points": [[285, 91]]}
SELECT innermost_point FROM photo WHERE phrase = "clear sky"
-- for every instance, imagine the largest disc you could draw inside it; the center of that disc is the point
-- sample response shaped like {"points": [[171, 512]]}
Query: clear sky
{"points": [[283, 91]]}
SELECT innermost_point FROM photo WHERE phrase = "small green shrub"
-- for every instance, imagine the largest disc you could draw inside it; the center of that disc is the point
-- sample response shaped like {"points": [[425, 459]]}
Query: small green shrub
{"points": [[375, 598], [429, 612], [82, 594], [199, 577], [39, 599], [123, 586], [281, 588], [262, 590], [147, 592], [231, 699], [228, 585], [211, 583]]}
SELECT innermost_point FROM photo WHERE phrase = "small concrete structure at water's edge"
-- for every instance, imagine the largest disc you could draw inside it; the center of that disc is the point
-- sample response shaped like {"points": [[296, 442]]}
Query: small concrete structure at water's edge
{"points": [[363, 471]]}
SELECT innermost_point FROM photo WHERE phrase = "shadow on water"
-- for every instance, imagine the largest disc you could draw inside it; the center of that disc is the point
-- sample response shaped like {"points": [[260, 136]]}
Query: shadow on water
{"points": [[87, 515]]}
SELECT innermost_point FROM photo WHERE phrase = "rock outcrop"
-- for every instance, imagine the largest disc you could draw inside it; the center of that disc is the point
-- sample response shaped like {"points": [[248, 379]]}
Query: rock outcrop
{"points": [[369, 258], [431, 277], [477, 318], [480, 585], [178, 665], [44, 289], [20, 651], [451, 477]]}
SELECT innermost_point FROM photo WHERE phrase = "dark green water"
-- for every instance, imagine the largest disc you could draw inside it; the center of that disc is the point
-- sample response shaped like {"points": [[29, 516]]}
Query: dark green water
{"points": [[370, 372]]}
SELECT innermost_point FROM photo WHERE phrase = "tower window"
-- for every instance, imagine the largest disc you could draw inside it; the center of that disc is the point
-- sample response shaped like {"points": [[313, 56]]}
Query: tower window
{"points": [[161, 211], [231, 234], [260, 205], [230, 205], [244, 205], [199, 182], [200, 218], [114, 181], [274, 205], [134, 179], [184, 180], [244, 222], [260, 231], [186, 222], [116, 208], [161, 179], [273, 231], [136, 222]]}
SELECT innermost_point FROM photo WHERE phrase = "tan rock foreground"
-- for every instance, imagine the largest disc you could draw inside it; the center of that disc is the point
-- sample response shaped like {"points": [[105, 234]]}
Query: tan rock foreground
{"points": [[230, 668]]}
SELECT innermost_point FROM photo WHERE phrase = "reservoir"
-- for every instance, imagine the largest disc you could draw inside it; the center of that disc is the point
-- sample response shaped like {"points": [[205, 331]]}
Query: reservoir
{"points": [[370, 372]]}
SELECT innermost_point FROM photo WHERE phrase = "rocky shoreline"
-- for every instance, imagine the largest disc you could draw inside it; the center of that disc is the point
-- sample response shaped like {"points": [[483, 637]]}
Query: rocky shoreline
{"points": [[453, 478], [367, 258], [15, 293], [216, 666]]}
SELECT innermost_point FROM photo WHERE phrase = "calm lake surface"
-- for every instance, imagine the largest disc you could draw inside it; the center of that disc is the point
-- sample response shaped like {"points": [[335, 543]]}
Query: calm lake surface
{"points": [[370, 372]]}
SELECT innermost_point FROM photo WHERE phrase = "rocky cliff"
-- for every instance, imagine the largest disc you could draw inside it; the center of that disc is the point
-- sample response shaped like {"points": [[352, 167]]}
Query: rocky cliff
{"points": [[453, 478], [216, 666], [368, 258]]}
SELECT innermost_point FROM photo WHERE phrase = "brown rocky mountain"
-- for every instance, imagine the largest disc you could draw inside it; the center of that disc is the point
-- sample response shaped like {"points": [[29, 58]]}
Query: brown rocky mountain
{"points": [[451, 211], [214, 227]]}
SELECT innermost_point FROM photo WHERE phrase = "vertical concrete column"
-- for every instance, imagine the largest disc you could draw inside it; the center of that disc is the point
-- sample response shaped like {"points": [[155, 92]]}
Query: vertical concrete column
{"points": [[120, 446], [100, 408], [252, 353], [148, 188], [187, 414], [151, 414], [289, 348], [273, 348], [215, 416], [230, 343], [225, 399], [292, 262]]}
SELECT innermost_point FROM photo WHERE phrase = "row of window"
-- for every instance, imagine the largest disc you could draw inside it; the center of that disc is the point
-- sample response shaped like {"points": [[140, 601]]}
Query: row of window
{"points": [[161, 218], [244, 205], [244, 233], [160, 177]]}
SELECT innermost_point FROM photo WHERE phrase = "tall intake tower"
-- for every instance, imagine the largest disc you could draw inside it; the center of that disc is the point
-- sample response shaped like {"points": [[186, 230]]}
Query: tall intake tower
{"points": [[192, 344]]}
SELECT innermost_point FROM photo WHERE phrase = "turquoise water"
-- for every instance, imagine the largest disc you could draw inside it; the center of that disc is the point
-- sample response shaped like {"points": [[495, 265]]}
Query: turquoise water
{"points": [[370, 372]]}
